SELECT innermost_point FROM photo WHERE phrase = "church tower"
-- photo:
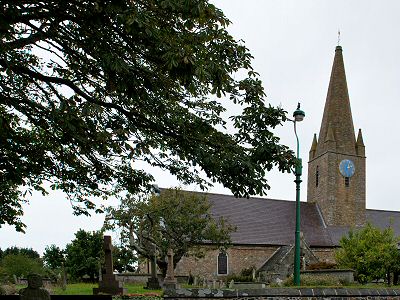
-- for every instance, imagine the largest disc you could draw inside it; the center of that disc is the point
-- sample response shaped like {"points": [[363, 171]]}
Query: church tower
{"points": [[336, 167]]}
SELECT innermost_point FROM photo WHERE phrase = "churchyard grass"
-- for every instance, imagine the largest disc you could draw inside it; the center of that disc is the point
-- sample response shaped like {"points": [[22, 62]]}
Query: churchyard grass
{"points": [[87, 289]]}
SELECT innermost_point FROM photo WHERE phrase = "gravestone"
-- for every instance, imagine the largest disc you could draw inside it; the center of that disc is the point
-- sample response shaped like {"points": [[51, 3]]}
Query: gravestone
{"points": [[35, 290], [152, 282], [231, 284], [108, 283], [170, 280]]}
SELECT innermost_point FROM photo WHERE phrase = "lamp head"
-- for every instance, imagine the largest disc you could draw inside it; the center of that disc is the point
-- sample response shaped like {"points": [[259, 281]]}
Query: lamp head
{"points": [[298, 114]]}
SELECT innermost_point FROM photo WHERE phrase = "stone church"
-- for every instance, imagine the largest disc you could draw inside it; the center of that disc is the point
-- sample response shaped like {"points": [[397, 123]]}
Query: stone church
{"points": [[336, 196]]}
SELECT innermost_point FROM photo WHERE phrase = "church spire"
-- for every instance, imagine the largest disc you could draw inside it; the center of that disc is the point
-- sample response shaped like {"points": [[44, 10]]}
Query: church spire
{"points": [[337, 113], [360, 147], [313, 147]]}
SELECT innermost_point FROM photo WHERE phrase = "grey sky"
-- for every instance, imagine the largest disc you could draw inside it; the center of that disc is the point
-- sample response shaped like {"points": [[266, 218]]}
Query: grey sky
{"points": [[293, 46]]}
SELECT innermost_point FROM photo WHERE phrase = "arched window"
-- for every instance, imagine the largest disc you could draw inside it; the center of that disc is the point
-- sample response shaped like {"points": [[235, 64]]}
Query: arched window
{"points": [[317, 177], [222, 264]]}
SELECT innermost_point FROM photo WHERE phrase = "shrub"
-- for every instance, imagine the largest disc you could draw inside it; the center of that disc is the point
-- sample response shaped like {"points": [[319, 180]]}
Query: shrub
{"points": [[246, 275], [20, 265]]}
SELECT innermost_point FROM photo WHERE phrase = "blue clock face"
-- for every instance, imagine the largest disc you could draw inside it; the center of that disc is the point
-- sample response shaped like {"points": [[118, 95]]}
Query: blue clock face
{"points": [[347, 168]]}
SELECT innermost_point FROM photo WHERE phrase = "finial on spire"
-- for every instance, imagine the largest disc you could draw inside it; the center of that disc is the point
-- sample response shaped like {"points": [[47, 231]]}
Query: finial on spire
{"points": [[338, 37]]}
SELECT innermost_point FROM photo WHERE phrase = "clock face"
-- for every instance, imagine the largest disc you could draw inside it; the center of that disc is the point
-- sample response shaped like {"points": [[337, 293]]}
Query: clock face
{"points": [[347, 168]]}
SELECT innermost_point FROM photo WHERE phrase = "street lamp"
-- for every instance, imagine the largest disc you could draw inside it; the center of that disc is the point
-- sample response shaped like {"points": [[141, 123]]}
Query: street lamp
{"points": [[298, 117]]}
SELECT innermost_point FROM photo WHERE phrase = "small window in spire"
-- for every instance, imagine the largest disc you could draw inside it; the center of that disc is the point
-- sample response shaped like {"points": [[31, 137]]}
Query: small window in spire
{"points": [[317, 177], [347, 181]]}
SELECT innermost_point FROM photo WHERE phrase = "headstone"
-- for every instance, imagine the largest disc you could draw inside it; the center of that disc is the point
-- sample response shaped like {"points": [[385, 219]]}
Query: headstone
{"points": [[221, 284], [63, 278], [15, 279], [195, 281], [152, 282], [170, 280], [214, 284], [109, 284], [231, 284], [35, 290]]}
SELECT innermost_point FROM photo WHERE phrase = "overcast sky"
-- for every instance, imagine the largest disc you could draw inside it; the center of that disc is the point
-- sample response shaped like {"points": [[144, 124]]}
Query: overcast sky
{"points": [[293, 45]]}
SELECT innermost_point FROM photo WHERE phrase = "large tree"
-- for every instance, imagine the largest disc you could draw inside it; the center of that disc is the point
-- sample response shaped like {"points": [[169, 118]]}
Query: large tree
{"points": [[20, 265], [29, 252], [84, 254], [175, 219], [88, 88], [370, 251], [53, 257]]}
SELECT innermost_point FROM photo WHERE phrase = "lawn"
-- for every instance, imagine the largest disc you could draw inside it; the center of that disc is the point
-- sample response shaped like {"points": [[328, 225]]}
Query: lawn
{"points": [[87, 289]]}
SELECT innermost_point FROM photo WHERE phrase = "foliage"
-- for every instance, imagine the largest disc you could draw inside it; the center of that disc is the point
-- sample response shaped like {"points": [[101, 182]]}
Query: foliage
{"points": [[371, 252], [245, 275], [175, 219], [53, 257], [84, 253], [20, 265], [124, 259], [90, 87], [29, 252]]}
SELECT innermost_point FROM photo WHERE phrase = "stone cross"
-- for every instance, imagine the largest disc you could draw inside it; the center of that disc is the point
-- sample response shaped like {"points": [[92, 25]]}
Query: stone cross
{"points": [[170, 281], [108, 283], [34, 291], [152, 282], [108, 261]]}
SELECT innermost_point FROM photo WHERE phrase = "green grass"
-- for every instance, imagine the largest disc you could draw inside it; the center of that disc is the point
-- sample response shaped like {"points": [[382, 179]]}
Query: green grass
{"points": [[87, 289]]}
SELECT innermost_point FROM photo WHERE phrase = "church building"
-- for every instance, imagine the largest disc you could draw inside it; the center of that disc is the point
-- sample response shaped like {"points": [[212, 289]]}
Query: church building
{"points": [[336, 202]]}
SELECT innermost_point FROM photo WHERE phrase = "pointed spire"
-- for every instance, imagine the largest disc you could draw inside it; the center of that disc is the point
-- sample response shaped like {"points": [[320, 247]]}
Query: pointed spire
{"points": [[313, 147], [337, 112], [360, 147]]}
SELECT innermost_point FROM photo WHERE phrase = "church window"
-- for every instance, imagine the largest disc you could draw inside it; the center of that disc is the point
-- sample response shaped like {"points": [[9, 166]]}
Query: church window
{"points": [[347, 181], [222, 264], [317, 177]]}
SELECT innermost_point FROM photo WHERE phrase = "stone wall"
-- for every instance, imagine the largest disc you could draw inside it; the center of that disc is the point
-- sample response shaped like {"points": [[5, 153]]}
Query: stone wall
{"points": [[239, 257], [286, 293], [325, 254]]}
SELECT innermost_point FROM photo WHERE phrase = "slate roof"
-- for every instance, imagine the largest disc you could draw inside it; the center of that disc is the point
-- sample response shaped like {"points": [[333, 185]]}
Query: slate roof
{"points": [[262, 221]]}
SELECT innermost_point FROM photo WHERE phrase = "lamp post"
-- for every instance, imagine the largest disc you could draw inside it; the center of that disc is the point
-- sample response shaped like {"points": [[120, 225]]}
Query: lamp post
{"points": [[298, 117]]}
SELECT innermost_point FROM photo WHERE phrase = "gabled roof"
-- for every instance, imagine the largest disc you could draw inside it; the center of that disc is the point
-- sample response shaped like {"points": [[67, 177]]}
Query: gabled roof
{"points": [[262, 221]]}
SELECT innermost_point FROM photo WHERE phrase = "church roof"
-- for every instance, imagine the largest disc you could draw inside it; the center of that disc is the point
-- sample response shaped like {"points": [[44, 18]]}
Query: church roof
{"points": [[262, 221]]}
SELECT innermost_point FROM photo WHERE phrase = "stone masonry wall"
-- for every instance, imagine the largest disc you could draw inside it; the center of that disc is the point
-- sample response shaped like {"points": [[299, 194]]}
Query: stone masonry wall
{"points": [[340, 205], [285, 293], [239, 257], [325, 254]]}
